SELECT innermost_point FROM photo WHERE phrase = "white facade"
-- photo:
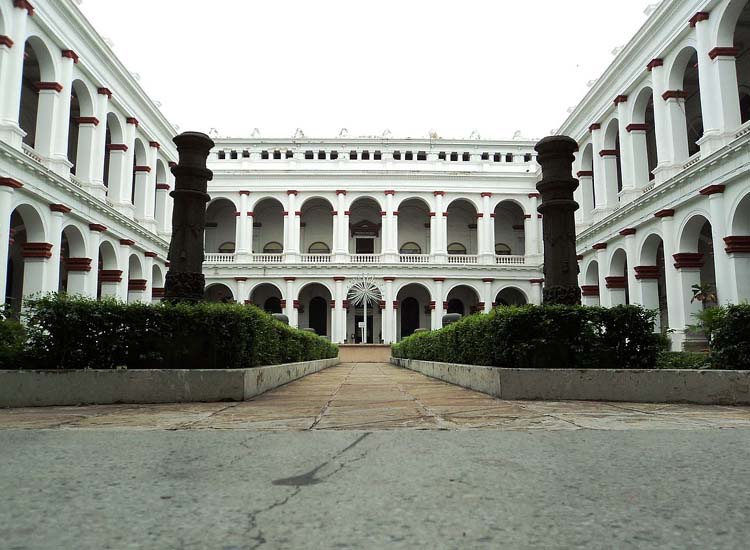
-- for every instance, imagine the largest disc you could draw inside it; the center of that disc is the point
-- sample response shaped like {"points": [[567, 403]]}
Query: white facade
{"points": [[84, 158], [663, 165], [441, 225]]}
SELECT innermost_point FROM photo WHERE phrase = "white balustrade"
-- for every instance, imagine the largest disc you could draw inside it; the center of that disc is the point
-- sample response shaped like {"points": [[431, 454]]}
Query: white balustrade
{"points": [[510, 260], [463, 259], [364, 258], [266, 258], [316, 258], [75, 181], [31, 153], [219, 258], [415, 258]]}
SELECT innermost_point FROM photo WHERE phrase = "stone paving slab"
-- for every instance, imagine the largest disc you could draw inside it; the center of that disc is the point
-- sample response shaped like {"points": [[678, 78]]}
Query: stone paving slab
{"points": [[373, 396]]}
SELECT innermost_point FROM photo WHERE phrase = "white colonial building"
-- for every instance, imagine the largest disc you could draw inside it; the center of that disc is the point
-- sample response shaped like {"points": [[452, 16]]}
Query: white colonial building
{"points": [[441, 225], [663, 165]]}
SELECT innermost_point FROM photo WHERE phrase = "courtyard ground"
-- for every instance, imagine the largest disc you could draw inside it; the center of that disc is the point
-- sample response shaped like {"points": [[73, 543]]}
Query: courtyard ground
{"points": [[366, 456]]}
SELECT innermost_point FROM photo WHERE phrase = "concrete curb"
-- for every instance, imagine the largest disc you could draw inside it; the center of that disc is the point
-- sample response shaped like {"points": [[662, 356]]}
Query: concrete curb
{"points": [[707, 387], [102, 387]]}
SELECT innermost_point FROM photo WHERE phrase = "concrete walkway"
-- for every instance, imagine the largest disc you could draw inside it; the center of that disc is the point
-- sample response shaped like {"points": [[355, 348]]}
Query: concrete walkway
{"points": [[379, 397]]}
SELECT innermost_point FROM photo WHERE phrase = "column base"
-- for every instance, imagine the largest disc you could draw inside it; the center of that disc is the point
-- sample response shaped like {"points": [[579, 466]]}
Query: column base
{"points": [[12, 134], [125, 208], [487, 259], [60, 166], [713, 140], [291, 257], [628, 195], [97, 190], [665, 171]]}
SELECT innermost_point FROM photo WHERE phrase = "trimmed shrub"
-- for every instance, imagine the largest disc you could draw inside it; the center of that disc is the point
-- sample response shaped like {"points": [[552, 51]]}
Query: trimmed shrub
{"points": [[730, 342], [543, 337], [682, 360], [12, 340], [72, 332]]}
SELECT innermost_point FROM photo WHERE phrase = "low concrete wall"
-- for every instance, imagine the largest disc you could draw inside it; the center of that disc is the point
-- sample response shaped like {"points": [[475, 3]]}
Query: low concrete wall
{"points": [[635, 386], [88, 387], [364, 353]]}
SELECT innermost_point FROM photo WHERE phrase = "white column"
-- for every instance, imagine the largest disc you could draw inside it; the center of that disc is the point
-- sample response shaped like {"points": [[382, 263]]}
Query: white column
{"points": [[291, 298], [609, 175], [339, 313], [96, 178], [662, 123], [124, 185], [722, 269], [291, 234], [242, 248], [632, 255], [36, 259], [720, 102], [639, 153], [148, 275], [673, 283], [59, 162], [49, 97], [532, 227], [242, 294], [11, 63], [92, 277], [487, 296], [389, 236], [536, 291], [6, 199], [162, 209], [437, 320], [600, 208], [124, 259], [149, 219], [485, 232], [739, 264], [586, 182], [627, 153], [55, 238], [140, 180], [441, 219], [601, 258]]}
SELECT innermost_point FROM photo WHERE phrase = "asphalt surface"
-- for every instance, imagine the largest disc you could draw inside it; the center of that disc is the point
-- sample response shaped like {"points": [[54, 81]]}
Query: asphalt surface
{"points": [[235, 489]]}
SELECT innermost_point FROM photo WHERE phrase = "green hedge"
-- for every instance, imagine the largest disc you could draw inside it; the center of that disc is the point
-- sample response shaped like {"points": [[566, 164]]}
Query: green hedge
{"points": [[12, 341], [730, 340], [543, 337], [71, 332]]}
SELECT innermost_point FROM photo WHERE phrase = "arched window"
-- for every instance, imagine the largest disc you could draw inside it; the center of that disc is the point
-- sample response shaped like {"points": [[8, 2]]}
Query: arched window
{"points": [[272, 305], [456, 248], [502, 249], [319, 248], [226, 248], [411, 248], [273, 248]]}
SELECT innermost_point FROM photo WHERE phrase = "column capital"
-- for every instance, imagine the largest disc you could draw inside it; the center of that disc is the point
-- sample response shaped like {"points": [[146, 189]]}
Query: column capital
{"points": [[737, 244], [70, 54], [127, 242], [712, 190], [600, 246], [585, 174], [81, 120], [608, 153], [536, 281], [590, 290], [97, 227], [292, 192], [688, 260], [486, 194], [6, 41], [290, 279], [666, 213], [389, 279], [594, 127], [61, 208], [151, 255], [110, 276], [36, 250], [132, 120], [24, 5], [616, 282], [621, 99], [117, 147], [439, 193], [339, 279], [389, 192], [154, 144], [628, 231], [146, 169], [654, 63], [341, 191], [48, 86], [10, 182], [723, 52], [163, 187], [674, 94], [137, 285], [637, 128], [77, 264], [646, 272], [244, 192], [439, 279], [104, 91], [534, 195], [488, 280], [697, 18]]}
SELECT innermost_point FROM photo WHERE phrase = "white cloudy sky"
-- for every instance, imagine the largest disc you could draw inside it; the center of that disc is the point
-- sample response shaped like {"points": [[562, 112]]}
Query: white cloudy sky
{"points": [[496, 66]]}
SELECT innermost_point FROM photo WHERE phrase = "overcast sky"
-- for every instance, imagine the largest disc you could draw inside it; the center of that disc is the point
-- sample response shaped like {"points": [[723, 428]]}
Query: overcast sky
{"points": [[496, 66]]}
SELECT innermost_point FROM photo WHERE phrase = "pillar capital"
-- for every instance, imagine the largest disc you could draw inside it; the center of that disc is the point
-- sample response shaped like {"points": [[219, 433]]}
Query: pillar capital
{"points": [[616, 282], [646, 272], [590, 290], [82, 120], [77, 264], [10, 182], [127, 242], [666, 213], [697, 18], [24, 5], [737, 244], [37, 250], [137, 285], [104, 91], [654, 63], [6, 41], [110, 275], [688, 260], [712, 190], [97, 227], [628, 231], [70, 54], [599, 246], [48, 86], [60, 208]]}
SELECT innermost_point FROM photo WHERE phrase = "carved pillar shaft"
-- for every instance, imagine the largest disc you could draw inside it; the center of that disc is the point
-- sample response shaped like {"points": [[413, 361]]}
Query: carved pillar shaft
{"points": [[556, 156], [185, 281]]}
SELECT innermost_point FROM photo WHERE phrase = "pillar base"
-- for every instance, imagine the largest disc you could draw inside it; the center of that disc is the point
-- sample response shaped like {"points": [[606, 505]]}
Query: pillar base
{"points": [[60, 166], [125, 208], [12, 134], [713, 140]]}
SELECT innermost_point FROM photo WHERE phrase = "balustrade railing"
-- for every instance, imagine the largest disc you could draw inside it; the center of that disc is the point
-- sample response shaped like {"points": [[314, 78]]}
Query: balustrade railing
{"points": [[316, 258], [219, 258], [415, 258], [463, 259], [510, 260], [266, 258], [75, 181], [31, 153], [364, 258]]}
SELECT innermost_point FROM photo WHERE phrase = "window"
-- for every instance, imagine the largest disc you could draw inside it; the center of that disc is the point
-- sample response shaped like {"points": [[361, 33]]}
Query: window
{"points": [[421, 155], [365, 155], [466, 157], [233, 155], [441, 155], [456, 248], [378, 155], [289, 154], [352, 155], [308, 155], [321, 155], [264, 155], [497, 157], [226, 248], [454, 157], [222, 155], [485, 156], [277, 155], [509, 157], [273, 248], [245, 154], [334, 155], [396, 155], [409, 156], [502, 249], [527, 157], [319, 248], [410, 248]]}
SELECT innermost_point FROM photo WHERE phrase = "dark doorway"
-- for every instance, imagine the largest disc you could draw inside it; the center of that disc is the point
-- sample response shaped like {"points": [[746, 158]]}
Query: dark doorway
{"points": [[456, 306], [365, 246], [319, 316], [358, 318], [272, 305], [409, 317]]}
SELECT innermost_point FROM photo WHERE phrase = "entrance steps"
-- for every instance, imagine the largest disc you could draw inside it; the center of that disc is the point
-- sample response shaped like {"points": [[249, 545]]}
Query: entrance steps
{"points": [[364, 353]]}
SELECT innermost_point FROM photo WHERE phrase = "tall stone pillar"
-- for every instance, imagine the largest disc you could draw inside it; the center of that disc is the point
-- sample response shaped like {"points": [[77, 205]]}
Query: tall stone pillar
{"points": [[715, 194], [556, 156], [339, 312], [7, 185], [388, 313], [242, 248], [439, 311], [55, 238], [185, 281], [487, 296]]}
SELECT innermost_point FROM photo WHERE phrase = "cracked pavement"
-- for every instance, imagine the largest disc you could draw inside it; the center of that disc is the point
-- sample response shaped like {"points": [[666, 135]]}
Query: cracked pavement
{"points": [[372, 456]]}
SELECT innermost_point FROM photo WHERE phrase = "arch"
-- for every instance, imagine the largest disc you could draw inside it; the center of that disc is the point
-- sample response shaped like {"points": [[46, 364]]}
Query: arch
{"points": [[412, 198], [26, 226], [268, 224], [414, 222], [511, 296], [161, 171], [219, 293], [612, 144], [740, 217], [467, 295], [38, 66], [316, 225], [77, 246], [3, 30], [113, 136], [414, 308], [690, 231], [262, 294], [462, 227], [649, 249], [221, 226], [316, 199], [592, 273], [365, 235], [509, 228], [468, 199], [108, 262], [33, 222], [729, 18], [644, 148], [589, 191], [618, 262], [364, 198], [135, 267], [737, 18], [140, 158], [107, 255], [314, 300], [157, 276], [683, 76], [81, 105]]}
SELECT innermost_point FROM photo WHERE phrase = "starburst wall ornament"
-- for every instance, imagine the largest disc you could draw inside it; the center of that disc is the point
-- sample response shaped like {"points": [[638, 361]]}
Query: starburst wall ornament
{"points": [[364, 292]]}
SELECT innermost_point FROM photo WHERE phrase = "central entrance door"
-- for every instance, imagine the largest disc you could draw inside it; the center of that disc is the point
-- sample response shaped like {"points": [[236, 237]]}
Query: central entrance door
{"points": [[358, 318], [365, 245], [319, 315]]}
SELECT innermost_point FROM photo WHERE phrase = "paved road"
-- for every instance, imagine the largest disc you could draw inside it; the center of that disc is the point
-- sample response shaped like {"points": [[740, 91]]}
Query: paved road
{"points": [[222, 478]]}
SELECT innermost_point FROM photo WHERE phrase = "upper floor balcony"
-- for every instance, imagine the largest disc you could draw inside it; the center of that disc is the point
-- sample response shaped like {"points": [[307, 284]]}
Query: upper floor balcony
{"points": [[371, 259]]}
